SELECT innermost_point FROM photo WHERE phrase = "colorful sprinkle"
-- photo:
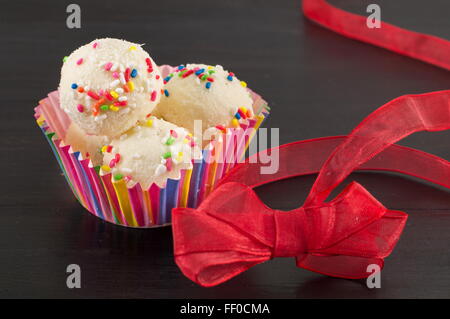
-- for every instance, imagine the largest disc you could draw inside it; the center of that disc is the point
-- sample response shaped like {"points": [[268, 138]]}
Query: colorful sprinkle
{"points": [[104, 107], [149, 123], [199, 71], [229, 78], [74, 86], [118, 177], [130, 85], [93, 95], [133, 73], [166, 155], [244, 84], [166, 93], [132, 48], [65, 59], [80, 108], [112, 163], [114, 94], [208, 85], [105, 168], [95, 45], [235, 122], [108, 66], [170, 141], [153, 96], [114, 108], [80, 61], [80, 89], [169, 164]]}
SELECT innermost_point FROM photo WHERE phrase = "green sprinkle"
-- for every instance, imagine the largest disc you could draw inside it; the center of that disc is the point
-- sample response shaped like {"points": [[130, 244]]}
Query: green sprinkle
{"points": [[170, 140], [166, 155], [118, 177], [180, 74], [104, 107], [211, 72], [65, 59], [204, 77]]}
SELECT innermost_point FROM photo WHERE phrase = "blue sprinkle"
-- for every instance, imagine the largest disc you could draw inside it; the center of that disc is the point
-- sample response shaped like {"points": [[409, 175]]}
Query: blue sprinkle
{"points": [[238, 116], [208, 85], [167, 78], [229, 78], [133, 73], [166, 93], [74, 86], [180, 67], [198, 72]]}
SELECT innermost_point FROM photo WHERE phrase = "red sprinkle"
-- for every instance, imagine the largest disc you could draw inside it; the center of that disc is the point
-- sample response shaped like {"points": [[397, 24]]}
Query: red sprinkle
{"points": [[95, 45], [80, 61], [109, 96], [93, 95], [150, 70], [169, 164], [173, 134], [242, 114], [117, 158], [109, 148], [157, 77], [123, 103], [148, 115], [80, 108], [189, 72], [153, 96], [222, 128], [149, 62], [210, 79], [108, 66], [127, 75], [112, 163]]}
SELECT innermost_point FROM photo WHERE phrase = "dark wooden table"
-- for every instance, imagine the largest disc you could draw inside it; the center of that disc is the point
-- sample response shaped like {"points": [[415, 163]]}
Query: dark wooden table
{"points": [[318, 84]]}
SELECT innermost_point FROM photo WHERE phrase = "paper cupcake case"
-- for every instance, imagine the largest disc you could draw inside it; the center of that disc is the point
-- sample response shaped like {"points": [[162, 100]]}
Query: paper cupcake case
{"points": [[133, 206]]}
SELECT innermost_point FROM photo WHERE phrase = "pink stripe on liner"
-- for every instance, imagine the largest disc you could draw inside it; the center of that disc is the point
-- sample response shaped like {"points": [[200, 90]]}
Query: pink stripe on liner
{"points": [[114, 202], [154, 191], [65, 158], [83, 183], [99, 190], [136, 205]]}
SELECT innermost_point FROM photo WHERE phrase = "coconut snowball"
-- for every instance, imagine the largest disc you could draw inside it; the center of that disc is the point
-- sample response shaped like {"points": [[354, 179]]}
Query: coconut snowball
{"points": [[201, 92], [88, 145], [151, 152], [108, 85]]}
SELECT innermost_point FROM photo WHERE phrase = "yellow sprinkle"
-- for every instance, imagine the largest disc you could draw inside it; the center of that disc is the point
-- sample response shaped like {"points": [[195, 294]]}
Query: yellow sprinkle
{"points": [[131, 85], [180, 156], [104, 149], [244, 109], [114, 94], [185, 141], [132, 48], [113, 108], [235, 122], [105, 168], [210, 67], [149, 123], [244, 84]]}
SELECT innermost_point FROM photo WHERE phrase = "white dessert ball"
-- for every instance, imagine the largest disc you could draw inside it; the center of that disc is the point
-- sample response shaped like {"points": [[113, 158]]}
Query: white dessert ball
{"points": [[151, 152], [108, 85], [88, 145], [201, 92]]}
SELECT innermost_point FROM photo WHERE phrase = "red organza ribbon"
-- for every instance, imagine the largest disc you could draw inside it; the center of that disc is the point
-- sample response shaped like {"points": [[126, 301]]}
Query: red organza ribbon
{"points": [[232, 230]]}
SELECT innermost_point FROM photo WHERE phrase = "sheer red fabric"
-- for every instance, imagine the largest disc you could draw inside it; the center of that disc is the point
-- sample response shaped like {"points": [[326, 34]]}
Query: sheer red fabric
{"points": [[232, 230]]}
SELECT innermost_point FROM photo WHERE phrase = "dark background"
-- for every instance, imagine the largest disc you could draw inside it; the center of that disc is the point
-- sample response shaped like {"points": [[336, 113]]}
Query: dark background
{"points": [[318, 84]]}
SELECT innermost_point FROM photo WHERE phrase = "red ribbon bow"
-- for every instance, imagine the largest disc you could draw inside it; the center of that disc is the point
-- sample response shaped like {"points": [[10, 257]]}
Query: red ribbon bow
{"points": [[232, 230]]}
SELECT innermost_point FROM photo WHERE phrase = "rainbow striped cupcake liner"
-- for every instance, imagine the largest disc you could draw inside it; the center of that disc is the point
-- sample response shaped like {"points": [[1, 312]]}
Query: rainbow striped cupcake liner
{"points": [[116, 203]]}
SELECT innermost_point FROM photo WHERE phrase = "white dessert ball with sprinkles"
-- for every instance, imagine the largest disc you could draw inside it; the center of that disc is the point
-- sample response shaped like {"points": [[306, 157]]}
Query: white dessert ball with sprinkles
{"points": [[108, 85], [207, 93], [151, 152]]}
